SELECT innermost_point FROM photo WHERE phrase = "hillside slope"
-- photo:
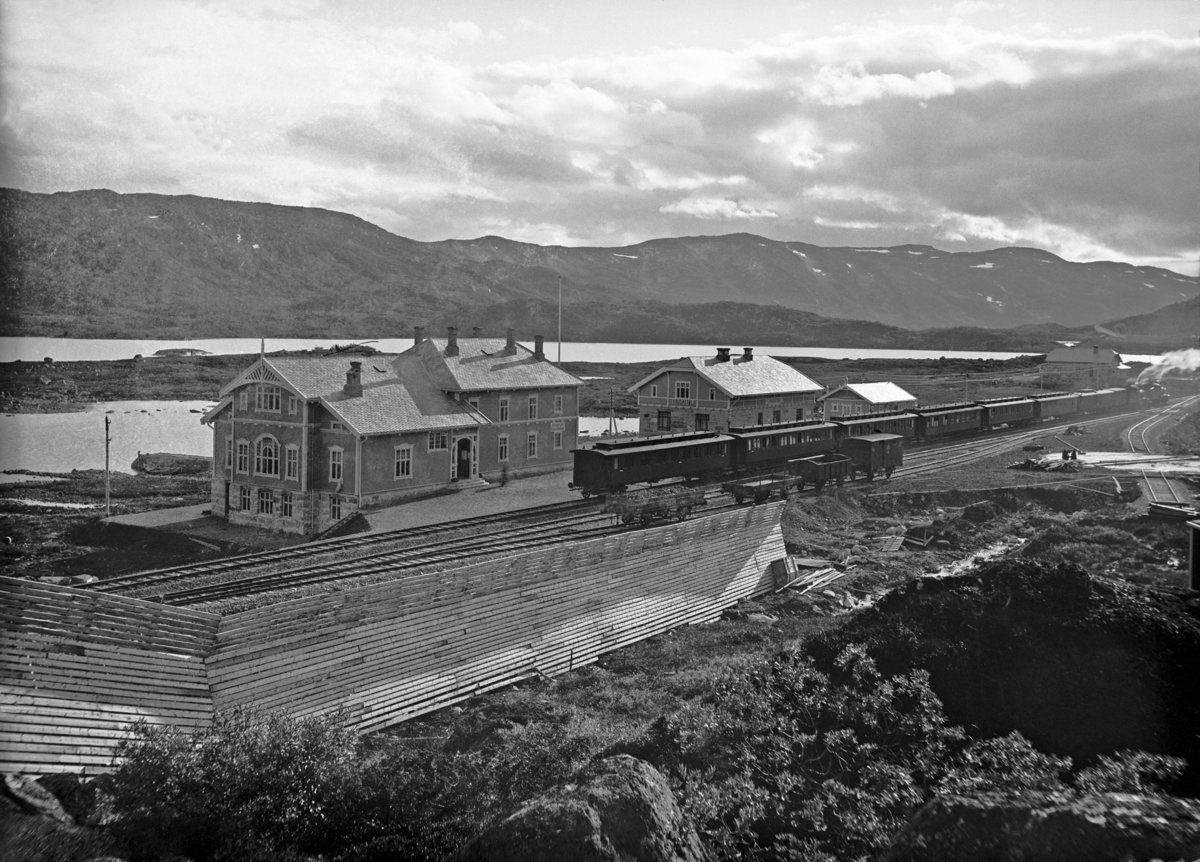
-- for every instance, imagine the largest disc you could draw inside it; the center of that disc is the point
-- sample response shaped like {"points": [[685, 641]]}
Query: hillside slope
{"points": [[97, 263]]}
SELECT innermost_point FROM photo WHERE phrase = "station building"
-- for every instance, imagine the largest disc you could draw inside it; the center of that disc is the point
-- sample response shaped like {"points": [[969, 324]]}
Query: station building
{"points": [[1083, 368], [302, 442], [857, 399], [714, 393]]}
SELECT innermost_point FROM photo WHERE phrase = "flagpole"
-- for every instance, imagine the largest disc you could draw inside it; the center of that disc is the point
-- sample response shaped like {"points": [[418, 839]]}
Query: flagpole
{"points": [[107, 474], [560, 320]]}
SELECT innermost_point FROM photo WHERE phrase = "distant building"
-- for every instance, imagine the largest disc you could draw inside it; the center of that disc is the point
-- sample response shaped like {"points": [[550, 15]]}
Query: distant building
{"points": [[856, 399], [1083, 368], [301, 442], [712, 393]]}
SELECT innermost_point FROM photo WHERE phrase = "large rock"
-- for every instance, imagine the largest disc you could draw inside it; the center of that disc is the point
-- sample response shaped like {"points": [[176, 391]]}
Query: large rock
{"points": [[1049, 827], [34, 798], [620, 811]]}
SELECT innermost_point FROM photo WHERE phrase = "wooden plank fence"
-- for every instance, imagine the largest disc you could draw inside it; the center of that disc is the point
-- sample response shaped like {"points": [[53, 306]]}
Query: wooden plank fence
{"points": [[77, 667]]}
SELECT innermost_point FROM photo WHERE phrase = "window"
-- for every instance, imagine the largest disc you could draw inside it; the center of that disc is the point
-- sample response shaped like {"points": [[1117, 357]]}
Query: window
{"points": [[266, 457], [229, 454], [293, 405], [502, 454], [799, 413], [683, 389], [285, 503], [438, 440], [244, 498], [701, 421], [503, 409], [557, 439], [243, 401], [291, 463], [653, 391], [777, 416], [759, 419], [267, 397], [335, 507], [336, 426], [532, 407], [404, 462], [558, 405], [474, 402], [266, 502], [243, 456], [335, 464], [712, 394], [531, 452], [664, 420]]}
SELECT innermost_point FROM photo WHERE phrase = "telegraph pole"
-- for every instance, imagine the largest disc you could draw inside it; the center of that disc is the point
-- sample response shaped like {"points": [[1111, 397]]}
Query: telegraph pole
{"points": [[560, 320], [107, 474]]}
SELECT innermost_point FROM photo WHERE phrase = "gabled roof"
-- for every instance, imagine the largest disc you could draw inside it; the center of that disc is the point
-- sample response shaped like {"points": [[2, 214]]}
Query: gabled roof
{"points": [[740, 377], [482, 364], [873, 393], [310, 377], [1084, 355]]}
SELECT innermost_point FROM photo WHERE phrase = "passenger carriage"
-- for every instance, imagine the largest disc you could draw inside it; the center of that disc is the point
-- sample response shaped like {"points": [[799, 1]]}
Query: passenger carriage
{"points": [[1055, 405], [616, 464], [1015, 411], [901, 422], [946, 420], [764, 446]]}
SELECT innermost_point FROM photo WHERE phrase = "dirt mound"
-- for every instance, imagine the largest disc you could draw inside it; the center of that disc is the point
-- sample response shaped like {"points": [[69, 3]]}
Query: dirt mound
{"points": [[822, 512], [1080, 665]]}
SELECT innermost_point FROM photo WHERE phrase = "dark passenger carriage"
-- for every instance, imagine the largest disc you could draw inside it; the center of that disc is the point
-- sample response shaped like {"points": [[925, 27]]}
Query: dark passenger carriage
{"points": [[611, 464], [765, 445], [902, 422], [1055, 405], [943, 420], [1017, 410]]}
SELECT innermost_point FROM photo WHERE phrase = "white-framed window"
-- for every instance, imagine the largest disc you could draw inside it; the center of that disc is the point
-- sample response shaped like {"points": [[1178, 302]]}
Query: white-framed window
{"points": [[336, 426], [266, 501], [438, 441], [267, 398], [335, 463], [502, 453], [474, 402], [503, 409], [266, 456], [531, 450], [244, 400], [228, 454], [558, 405], [403, 462], [243, 456], [557, 435], [244, 498], [293, 405], [532, 410], [683, 389], [285, 504], [335, 508], [291, 462]]}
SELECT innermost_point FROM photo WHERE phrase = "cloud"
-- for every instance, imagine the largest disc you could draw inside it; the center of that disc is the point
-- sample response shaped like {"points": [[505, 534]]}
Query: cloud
{"points": [[716, 208]]}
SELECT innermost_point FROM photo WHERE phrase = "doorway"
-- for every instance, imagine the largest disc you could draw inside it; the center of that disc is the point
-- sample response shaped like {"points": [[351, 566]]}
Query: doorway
{"points": [[463, 460]]}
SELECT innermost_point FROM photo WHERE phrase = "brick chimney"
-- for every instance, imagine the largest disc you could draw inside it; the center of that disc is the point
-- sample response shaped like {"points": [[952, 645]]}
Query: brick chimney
{"points": [[452, 341], [722, 354], [418, 335], [1095, 349], [477, 332], [747, 354], [353, 386], [510, 345], [539, 350]]}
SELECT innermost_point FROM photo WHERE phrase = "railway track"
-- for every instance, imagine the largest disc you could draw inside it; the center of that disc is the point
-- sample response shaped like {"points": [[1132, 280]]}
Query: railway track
{"points": [[1135, 436], [1159, 488]]}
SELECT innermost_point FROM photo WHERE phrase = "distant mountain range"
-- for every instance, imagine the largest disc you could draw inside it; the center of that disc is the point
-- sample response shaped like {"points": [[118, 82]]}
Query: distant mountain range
{"points": [[101, 264]]}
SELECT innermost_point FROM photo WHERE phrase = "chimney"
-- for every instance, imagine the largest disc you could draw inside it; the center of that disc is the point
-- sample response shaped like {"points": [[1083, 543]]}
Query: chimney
{"points": [[452, 341], [353, 386], [539, 350], [1095, 349], [477, 332], [747, 354], [418, 335], [510, 346], [722, 354]]}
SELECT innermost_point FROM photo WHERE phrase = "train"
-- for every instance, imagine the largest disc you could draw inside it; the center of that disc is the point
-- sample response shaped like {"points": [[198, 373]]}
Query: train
{"points": [[614, 465]]}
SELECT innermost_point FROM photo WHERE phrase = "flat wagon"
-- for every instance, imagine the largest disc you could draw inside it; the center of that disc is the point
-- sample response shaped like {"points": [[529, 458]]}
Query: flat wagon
{"points": [[761, 489], [646, 506], [819, 470]]}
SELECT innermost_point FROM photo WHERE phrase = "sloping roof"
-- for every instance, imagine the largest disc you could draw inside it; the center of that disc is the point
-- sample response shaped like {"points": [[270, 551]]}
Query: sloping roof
{"points": [[311, 377], [874, 393], [740, 377], [482, 364], [1084, 355]]}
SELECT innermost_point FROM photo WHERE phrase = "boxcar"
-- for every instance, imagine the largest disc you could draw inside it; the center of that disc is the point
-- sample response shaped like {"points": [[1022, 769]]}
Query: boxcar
{"points": [[817, 470], [615, 464], [763, 446], [1089, 401], [942, 420], [1110, 399], [899, 422], [874, 453], [1055, 405], [1007, 411]]}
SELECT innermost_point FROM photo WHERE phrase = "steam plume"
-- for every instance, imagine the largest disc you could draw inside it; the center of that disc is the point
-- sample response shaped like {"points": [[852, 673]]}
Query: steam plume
{"points": [[1176, 360]]}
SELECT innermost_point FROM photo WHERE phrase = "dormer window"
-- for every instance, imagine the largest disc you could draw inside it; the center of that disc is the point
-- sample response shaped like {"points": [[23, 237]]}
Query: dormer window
{"points": [[336, 426], [267, 398]]}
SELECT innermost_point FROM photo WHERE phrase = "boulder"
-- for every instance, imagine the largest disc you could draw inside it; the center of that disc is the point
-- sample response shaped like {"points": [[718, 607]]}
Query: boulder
{"points": [[34, 798], [1049, 827], [169, 463], [620, 809]]}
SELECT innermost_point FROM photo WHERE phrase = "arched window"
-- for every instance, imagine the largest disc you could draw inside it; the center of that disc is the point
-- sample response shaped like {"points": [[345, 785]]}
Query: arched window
{"points": [[266, 456]]}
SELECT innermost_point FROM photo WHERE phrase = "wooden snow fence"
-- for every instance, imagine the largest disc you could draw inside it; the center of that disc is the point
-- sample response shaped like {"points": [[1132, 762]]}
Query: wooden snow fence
{"points": [[392, 650], [77, 668]]}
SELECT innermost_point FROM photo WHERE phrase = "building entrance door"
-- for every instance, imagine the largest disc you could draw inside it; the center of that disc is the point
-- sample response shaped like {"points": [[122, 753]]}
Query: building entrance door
{"points": [[463, 460]]}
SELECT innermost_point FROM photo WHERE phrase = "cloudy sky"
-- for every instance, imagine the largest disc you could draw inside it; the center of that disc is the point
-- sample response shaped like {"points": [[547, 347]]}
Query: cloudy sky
{"points": [[1071, 125]]}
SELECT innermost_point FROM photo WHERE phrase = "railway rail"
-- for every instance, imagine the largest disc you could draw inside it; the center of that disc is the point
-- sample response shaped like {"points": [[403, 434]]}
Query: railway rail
{"points": [[1159, 488]]}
